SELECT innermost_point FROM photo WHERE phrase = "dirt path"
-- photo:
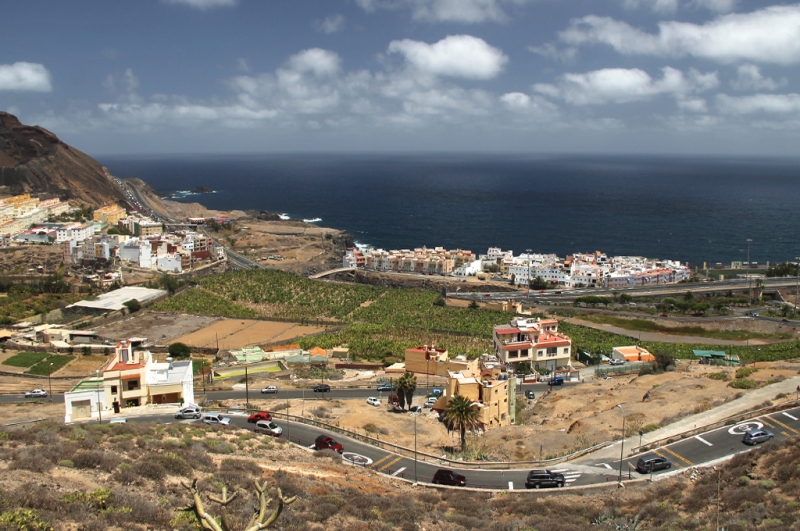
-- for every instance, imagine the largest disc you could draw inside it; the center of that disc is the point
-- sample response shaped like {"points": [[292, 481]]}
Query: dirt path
{"points": [[665, 338]]}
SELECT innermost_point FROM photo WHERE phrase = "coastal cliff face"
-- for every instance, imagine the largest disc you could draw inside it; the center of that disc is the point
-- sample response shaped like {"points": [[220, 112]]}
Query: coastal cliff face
{"points": [[33, 160]]}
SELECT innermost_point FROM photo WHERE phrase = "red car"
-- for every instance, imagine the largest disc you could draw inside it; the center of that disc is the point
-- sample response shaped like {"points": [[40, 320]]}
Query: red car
{"points": [[324, 442], [260, 415]]}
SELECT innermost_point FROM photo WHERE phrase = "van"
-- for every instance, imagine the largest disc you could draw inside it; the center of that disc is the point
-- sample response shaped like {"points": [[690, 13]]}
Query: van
{"points": [[556, 381]]}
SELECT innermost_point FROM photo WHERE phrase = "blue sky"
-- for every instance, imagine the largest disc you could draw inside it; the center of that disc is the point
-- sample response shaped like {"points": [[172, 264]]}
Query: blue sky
{"points": [[251, 76]]}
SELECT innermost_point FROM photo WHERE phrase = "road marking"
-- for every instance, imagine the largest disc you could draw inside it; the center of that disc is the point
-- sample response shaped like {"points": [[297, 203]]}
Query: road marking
{"points": [[510, 485], [398, 471], [788, 415], [390, 463], [744, 427], [560, 470], [781, 424], [381, 460], [786, 434], [703, 440], [766, 423], [606, 465], [678, 456]]}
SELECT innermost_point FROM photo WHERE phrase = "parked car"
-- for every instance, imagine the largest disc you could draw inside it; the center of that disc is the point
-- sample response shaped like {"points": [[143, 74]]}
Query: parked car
{"points": [[385, 387], [448, 477], [216, 418], [431, 401], [118, 421], [544, 478], [757, 436], [36, 393], [259, 415], [530, 395], [556, 381], [373, 401], [615, 361], [651, 463], [324, 442], [322, 388], [268, 427], [269, 389], [189, 412]]}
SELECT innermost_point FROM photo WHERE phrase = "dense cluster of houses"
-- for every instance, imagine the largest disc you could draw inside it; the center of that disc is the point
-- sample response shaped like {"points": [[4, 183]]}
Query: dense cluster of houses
{"points": [[19, 212], [574, 271]]}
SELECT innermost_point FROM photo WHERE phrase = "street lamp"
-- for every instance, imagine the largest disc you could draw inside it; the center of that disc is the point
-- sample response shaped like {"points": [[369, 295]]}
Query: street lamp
{"points": [[797, 283], [749, 295], [50, 382], [415, 445], [622, 444], [246, 388], [99, 412]]}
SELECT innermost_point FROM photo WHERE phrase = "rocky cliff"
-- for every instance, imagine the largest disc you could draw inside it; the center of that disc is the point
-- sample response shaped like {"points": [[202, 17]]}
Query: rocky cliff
{"points": [[33, 160]]}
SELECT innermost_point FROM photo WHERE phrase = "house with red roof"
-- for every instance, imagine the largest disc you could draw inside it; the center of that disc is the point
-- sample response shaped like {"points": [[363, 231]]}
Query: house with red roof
{"points": [[534, 341]]}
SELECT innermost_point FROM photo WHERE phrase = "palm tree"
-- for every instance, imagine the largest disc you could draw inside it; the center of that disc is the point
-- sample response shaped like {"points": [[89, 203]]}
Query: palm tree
{"points": [[405, 386], [462, 414]]}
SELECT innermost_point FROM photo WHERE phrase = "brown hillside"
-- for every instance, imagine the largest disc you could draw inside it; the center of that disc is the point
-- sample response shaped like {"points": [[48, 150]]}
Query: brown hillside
{"points": [[33, 160]]}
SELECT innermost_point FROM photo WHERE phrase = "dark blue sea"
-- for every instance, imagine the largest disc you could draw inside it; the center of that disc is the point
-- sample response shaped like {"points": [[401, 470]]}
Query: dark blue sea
{"points": [[688, 209]]}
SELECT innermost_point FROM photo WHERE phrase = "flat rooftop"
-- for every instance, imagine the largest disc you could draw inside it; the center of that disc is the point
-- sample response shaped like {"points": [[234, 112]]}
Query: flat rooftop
{"points": [[115, 300]]}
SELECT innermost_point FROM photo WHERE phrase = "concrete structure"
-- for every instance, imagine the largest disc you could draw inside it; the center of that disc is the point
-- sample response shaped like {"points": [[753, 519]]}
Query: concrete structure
{"points": [[81, 402], [532, 341], [427, 359], [495, 398], [632, 353], [109, 214], [114, 300]]}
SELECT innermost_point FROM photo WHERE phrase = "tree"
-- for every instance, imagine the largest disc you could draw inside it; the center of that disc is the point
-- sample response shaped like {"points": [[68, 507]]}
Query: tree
{"points": [[168, 283], [689, 296], [132, 305], [538, 283], [473, 305], [179, 350], [663, 359], [625, 298], [460, 415], [405, 386]]}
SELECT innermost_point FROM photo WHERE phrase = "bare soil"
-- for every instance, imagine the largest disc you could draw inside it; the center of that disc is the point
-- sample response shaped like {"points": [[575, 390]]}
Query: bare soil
{"points": [[158, 328], [239, 333]]}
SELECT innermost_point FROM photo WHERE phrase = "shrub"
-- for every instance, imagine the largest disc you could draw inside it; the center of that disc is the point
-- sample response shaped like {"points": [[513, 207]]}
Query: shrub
{"points": [[148, 468], [744, 372], [743, 383], [29, 460], [24, 520], [717, 376], [174, 464], [66, 463], [179, 350]]}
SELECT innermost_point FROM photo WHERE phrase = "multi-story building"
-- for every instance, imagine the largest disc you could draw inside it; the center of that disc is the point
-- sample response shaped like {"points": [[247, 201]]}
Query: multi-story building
{"points": [[427, 359], [109, 214], [75, 231], [537, 342], [495, 398]]}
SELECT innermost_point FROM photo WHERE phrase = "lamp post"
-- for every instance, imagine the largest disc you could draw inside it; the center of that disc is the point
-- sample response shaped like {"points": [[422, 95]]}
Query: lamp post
{"points": [[415, 445], [246, 388], [797, 397], [749, 293], [622, 444], [797, 283], [99, 409], [288, 423], [50, 383]]}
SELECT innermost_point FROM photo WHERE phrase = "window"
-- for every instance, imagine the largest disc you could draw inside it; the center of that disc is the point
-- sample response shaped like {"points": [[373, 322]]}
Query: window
{"points": [[113, 389], [133, 385]]}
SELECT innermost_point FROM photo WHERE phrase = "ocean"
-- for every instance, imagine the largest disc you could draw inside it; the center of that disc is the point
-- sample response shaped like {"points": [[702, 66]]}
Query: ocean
{"points": [[688, 209]]}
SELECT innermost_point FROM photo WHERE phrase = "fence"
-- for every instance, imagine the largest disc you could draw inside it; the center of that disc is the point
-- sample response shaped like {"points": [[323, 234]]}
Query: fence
{"points": [[620, 369]]}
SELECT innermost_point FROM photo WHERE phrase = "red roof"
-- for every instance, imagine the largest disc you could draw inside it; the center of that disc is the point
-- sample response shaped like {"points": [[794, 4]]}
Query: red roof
{"points": [[517, 346], [507, 331], [121, 366]]}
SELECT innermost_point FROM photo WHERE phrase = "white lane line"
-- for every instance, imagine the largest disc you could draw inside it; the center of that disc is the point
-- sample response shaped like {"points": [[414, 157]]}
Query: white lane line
{"points": [[510, 485], [560, 470], [606, 465], [790, 416], [703, 440], [398, 471]]}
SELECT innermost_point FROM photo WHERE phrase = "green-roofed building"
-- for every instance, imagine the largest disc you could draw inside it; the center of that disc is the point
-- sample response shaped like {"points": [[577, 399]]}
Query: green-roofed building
{"points": [[715, 357]]}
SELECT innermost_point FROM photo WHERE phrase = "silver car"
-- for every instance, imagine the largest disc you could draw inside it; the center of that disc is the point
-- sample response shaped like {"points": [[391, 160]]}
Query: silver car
{"points": [[189, 412], [753, 437], [216, 418]]}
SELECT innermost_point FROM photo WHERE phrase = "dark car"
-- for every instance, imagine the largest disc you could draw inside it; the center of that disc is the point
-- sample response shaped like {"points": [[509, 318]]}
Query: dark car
{"points": [[259, 415], [544, 478], [322, 388], [385, 387], [324, 442], [448, 477], [651, 463], [530, 395], [556, 381], [757, 436]]}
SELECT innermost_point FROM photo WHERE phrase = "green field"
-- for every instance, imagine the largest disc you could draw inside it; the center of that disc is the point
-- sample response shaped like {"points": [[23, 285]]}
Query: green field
{"points": [[44, 367], [202, 302], [26, 359]]}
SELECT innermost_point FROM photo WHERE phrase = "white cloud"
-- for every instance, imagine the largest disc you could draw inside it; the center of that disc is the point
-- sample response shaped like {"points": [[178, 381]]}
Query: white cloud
{"points": [[551, 51], [456, 56], [620, 85], [698, 105], [25, 77], [750, 78], [759, 103], [242, 64], [331, 24], [317, 61], [460, 11], [657, 6], [720, 6], [204, 4], [770, 35]]}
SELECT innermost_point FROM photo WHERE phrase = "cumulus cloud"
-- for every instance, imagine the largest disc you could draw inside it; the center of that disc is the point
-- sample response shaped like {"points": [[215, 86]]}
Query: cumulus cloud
{"points": [[620, 85], [25, 77], [460, 11], [658, 6], [455, 56], [331, 24], [770, 35], [203, 4], [750, 78], [553, 52], [317, 61], [720, 6], [759, 103]]}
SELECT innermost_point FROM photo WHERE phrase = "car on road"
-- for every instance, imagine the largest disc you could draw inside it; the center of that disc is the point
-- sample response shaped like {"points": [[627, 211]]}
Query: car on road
{"points": [[544, 478], [753, 437], [530, 395], [431, 401], [189, 412], [616, 361], [324, 442], [269, 389], [216, 418], [385, 387], [373, 401], [268, 427], [556, 381], [259, 415], [448, 477], [36, 393], [651, 463], [118, 421], [322, 388]]}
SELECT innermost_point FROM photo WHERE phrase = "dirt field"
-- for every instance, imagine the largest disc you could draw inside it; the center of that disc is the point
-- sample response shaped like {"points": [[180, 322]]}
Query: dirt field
{"points": [[239, 333], [83, 366], [159, 328], [568, 418]]}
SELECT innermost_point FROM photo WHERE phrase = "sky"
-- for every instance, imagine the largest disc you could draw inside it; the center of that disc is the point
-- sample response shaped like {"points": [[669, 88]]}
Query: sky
{"points": [[139, 77]]}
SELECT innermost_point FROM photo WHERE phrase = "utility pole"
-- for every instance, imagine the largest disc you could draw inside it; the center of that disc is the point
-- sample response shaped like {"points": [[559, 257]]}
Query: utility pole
{"points": [[246, 387], [749, 293], [622, 444], [99, 412], [415, 446], [797, 283], [50, 383]]}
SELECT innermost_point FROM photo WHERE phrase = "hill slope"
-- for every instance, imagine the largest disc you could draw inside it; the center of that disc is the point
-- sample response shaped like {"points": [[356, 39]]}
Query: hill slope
{"points": [[33, 160]]}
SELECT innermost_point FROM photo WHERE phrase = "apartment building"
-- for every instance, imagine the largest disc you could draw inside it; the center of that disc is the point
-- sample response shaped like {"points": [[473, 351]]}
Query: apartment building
{"points": [[109, 214], [428, 359], [75, 231], [495, 398], [537, 342]]}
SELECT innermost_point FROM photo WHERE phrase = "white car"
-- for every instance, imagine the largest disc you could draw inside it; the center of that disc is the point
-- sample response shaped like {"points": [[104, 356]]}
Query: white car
{"points": [[615, 361], [216, 418], [431, 401], [269, 389], [36, 393], [373, 401], [268, 427]]}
